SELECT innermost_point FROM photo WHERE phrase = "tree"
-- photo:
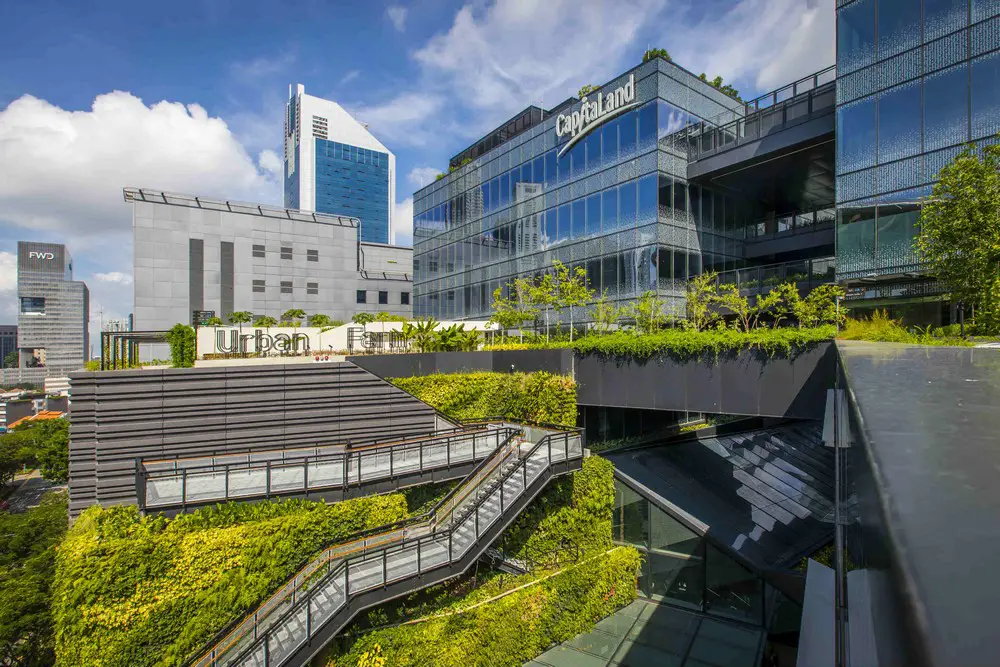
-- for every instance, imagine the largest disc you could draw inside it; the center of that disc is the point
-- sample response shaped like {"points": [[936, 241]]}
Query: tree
{"points": [[543, 295], [240, 317], [718, 84], [515, 309], [606, 313], [265, 321], [364, 319], [11, 360], [648, 313], [819, 306], [27, 569], [701, 296], [780, 302], [44, 443], [214, 322], [294, 315], [183, 345], [655, 53], [571, 289], [586, 90], [959, 237], [319, 320]]}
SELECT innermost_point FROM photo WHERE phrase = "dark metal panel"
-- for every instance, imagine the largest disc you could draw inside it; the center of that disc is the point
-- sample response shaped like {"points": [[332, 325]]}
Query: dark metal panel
{"points": [[227, 270], [196, 274]]}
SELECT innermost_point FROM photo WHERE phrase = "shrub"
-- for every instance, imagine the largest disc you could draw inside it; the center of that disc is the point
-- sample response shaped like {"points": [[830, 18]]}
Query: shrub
{"points": [[689, 344], [135, 591], [881, 328], [182, 345], [574, 510], [513, 628], [27, 563], [537, 397]]}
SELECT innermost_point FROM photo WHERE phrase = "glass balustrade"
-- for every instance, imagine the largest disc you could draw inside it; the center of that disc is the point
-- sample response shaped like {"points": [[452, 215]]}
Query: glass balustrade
{"points": [[190, 481], [312, 598]]}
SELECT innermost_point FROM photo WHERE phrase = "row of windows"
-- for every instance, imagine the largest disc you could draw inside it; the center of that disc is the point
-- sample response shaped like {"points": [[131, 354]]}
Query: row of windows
{"points": [[335, 149], [944, 109], [383, 297], [620, 139], [871, 30], [285, 286], [312, 255]]}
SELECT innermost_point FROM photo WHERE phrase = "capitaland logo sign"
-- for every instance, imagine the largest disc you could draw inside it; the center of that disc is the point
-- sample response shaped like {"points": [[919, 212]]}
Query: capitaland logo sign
{"points": [[594, 112], [41, 255]]}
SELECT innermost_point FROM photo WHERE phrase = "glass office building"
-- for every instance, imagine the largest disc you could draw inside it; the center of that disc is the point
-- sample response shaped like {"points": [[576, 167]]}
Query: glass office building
{"points": [[334, 165], [917, 80], [614, 198]]}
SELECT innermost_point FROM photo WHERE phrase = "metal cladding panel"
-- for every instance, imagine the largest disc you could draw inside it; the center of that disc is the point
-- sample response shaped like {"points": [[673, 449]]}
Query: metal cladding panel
{"points": [[119, 416], [409, 365]]}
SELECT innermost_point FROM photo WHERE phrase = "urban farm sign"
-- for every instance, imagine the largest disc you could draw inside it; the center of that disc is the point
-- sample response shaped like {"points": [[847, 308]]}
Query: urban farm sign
{"points": [[594, 111]]}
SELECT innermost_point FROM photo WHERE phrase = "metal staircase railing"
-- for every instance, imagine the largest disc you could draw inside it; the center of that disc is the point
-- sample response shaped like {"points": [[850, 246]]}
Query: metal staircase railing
{"points": [[264, 474], [497, 489]]}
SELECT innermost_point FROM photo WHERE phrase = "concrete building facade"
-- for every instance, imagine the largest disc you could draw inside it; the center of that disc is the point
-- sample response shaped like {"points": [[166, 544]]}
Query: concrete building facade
{"points": [[217, 257], [53, 309]]}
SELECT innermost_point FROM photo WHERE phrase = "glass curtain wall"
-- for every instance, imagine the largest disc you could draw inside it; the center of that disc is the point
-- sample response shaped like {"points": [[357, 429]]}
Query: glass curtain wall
{"points": [[682, 568], [917, 80]]}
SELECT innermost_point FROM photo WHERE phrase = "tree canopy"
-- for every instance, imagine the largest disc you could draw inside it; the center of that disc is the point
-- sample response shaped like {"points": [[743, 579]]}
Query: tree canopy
{"points": [[959, 239], [655, 53]]}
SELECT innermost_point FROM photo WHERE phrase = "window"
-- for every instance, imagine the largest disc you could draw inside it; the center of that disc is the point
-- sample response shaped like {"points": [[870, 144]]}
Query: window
{"points": [[986, 96], [383, 297], [312, 255], [899, 123], [312, 288], [856, 135], [286, 252], [899, 26], [856, 35], [258, 286], [286, 286], [33, 305], [362, 296], [946, 108], [404, 298], [258, 251]]}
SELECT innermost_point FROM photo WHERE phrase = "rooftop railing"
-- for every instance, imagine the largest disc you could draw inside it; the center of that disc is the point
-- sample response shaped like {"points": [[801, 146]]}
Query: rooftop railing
{"points": [[297, 612]]}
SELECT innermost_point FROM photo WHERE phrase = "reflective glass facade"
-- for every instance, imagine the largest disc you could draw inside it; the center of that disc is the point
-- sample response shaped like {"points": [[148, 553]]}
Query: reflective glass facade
{"points": [[617, 203], [917, 80], [354, 181]]}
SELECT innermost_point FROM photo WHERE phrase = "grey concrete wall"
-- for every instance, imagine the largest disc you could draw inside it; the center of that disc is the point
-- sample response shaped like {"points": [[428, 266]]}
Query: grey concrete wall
{"points": [[748, 383], [409, 365], [117, 416]]}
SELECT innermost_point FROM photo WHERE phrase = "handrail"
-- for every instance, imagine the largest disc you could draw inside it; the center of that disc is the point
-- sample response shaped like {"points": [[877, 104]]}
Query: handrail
{"points": [[306, 570], [312, 587], [335, 469]]}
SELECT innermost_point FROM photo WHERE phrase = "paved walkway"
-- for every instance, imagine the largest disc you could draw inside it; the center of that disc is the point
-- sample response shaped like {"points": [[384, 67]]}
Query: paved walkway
{"points": [[646, 634]]}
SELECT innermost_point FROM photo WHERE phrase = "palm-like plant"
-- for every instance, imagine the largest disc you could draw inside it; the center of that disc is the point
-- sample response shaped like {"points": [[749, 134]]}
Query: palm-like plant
{"points": [[265, 321], [319, 320], [240, 317], [422, 334], [214, 322]]}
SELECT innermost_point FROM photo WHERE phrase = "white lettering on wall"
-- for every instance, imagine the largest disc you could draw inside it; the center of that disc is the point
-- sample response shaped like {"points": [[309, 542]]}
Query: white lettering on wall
{"points": [[41, 255], [593, 113]]}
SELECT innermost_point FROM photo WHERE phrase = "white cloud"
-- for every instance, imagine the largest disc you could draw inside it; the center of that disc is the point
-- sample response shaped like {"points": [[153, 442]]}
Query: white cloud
{"points": [[403, 119], [397, 16], [421, 176], [263, 66], [790, 39], [271, 163], [350, 76], [114, 277], [402, 231]]}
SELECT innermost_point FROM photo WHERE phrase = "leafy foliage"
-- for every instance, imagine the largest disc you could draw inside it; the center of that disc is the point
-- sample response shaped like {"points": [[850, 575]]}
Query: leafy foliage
{"points": [[881, 328], [214, 322], [655, 53], [538, 397], [363, 319], [43, 443], [689, 344], [512, 629], [718, 84], [648, 313], [383, 316], [959, 238], [428, 336], [240, 317], [27, 566], [586, 90], [606, 314], [319, 320], [572, 511], [182, 345], [132, 591], [11, 360], [265, 321]]}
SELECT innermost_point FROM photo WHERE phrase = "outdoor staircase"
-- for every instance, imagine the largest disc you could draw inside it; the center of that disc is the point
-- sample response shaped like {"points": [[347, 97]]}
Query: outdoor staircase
{"points": [[322, 598]]}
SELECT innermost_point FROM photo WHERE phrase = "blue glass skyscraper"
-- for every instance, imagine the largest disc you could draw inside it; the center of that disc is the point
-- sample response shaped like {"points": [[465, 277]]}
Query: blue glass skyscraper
{"points": [[334, 165]]}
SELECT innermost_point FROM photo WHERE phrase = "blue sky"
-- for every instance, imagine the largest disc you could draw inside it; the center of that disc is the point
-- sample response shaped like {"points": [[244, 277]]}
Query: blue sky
{"points": [[188, 96]]}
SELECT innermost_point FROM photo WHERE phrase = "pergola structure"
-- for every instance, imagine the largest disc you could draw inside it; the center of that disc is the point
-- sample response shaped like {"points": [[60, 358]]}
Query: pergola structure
{"points": [[120, 349]]}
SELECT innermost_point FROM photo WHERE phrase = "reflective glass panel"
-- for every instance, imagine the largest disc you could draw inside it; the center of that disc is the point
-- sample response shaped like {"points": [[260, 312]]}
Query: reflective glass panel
{"points": [[856, 240], [593, 151], [627, 205], [593, 215], [899, 123], [609, 285], [946, 108], [579, 219], [856, 135], [678, 575], [564, 166], [897, 227], [565, 222], [504, 190], [628, 132], [579, 159], [647, 126], [731, 589], [610, 210], [609, 142], [986, 96], [670, 119], [856, 35], [647, 199], [982, 9], [550, 169], [944, 16], [898, 26]]}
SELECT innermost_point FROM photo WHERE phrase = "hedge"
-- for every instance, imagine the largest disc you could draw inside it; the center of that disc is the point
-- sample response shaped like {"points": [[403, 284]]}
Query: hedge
{"points": [[684, 344], [183, 345], [512, 629], [572, 511], [538, 397], [131, 591]]}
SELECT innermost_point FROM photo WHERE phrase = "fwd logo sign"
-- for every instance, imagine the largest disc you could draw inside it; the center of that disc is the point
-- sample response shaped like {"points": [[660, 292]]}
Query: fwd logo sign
{"points": [[41, 255]]}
